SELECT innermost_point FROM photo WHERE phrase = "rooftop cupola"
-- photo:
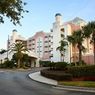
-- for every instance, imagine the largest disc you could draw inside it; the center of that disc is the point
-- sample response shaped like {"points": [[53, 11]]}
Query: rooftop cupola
{"points": [[58, 17]]}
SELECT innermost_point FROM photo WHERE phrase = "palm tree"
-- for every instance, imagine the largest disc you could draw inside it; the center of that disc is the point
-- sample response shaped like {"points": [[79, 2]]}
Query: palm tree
{"points": [[76, 39], [80, 39], [89, 32], [72, 41], [62, 47], [19, 48]]}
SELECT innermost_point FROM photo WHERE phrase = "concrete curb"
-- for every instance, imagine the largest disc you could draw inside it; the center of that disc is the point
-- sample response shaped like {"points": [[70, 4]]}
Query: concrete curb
{"points": [[74, 88], [37, 77]]}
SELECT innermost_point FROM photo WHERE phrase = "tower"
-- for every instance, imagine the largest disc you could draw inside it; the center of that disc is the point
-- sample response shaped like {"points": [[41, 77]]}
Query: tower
{"points": [[58, 18], [56, 38]]}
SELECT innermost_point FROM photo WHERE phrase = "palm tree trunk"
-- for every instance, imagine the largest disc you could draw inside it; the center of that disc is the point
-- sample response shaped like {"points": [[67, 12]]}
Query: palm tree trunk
{"points": [[88, 45], [18, 65], [80, 53], [62, 58], [75, 55]]}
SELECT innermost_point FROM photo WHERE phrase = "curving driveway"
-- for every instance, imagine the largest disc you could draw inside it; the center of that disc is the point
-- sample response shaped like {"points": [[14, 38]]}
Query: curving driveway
{"points": [[18, 83]]}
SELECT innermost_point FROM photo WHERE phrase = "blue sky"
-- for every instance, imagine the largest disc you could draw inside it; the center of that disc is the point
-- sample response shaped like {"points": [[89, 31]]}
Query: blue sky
{"points": [[42, 14]]}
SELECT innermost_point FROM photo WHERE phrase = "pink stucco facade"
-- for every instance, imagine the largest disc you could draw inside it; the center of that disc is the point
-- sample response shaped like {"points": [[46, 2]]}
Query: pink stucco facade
{"points": [[40, 44]]}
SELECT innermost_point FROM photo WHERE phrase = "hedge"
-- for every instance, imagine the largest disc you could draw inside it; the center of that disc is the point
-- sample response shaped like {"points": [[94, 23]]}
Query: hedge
{"points": [[82, 71], [86, 73], [56, 75], [7, 64], [54, 65]]}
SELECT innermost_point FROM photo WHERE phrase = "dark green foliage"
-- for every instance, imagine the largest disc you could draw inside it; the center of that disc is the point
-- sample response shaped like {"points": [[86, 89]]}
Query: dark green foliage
{"points": [[7, 64], [18, 48], [54, 65], [45, 63], [2, 51], [89, 32], [61, 65], [12, 9], [56, 75], [76, 39], [62, 47], [14, 58], [82, 63], [25, 61], [82, 71]]}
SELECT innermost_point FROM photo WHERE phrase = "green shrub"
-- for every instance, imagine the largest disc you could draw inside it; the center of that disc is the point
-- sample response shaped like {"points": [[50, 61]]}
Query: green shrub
{"points": [[45, 63], [82, 63], [82, 71], [7, 64], [56, 75], [54, 65], [61, 65], [86, 73]]}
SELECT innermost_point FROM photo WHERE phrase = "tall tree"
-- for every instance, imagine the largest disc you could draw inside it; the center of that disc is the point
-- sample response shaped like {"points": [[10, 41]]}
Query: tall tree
{"points": [[62, 47], [73, 42], [19, 48], [12, 9], [89, 32], [77, 39]]}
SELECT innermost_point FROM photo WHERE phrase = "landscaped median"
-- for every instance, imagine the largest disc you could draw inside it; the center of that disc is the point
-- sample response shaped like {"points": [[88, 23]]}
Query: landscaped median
{"points": [[83, 76]]}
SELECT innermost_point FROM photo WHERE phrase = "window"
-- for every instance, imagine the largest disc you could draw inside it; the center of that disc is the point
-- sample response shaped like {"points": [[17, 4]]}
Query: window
{"points": [[46, 37], [49, 40], [51, 30], [29, 48], [62, 29], [29, 44], [33, 39], [46, 41], [33, 48], [51, 55], [46, 46], [29, 40], [33, 44], [45, 51]]}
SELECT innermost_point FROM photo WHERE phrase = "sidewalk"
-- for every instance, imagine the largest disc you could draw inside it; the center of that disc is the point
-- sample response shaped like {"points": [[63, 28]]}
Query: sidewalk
{"points": [[37, 77]]}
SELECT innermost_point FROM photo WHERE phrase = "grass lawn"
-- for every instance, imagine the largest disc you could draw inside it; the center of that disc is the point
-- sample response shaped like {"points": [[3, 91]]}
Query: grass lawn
{"points": [[78, 83]]}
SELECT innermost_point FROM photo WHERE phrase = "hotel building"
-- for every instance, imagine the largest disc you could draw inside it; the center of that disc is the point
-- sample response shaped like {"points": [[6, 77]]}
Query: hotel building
{"points": [[15, 37], [40, 43], [45, 44]]}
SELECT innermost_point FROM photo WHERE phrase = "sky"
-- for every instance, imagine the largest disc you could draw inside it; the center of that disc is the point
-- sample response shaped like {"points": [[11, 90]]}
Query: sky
{"points": [[42, 14]]}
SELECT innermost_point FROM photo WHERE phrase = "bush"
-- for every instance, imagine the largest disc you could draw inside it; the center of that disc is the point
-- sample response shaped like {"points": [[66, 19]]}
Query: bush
{"points": [[45, 63], [61, 65], [7, 64], [82, 71], [54, 65], [86, 73], [56, 75], [82, 63]]}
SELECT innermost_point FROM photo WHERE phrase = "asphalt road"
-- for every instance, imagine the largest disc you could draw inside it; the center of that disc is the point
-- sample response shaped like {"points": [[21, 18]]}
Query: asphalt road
{"points": [[18, 83]]}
